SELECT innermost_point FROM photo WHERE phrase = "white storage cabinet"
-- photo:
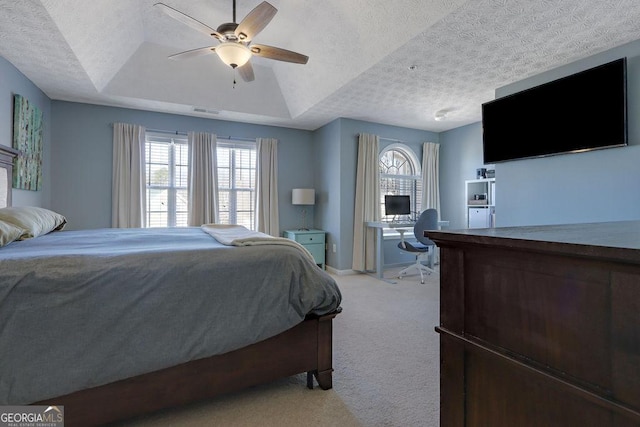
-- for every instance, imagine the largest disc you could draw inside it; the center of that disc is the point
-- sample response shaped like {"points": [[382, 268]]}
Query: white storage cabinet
{"points": [[480, 202]]}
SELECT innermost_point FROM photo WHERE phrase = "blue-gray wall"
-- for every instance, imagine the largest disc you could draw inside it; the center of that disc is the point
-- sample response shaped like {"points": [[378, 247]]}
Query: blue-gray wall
{"points": [[460, 156], [336, 149], [326, 162], [582, 187], [82, 136], [13, 82], [595, 186], [78, 156]]}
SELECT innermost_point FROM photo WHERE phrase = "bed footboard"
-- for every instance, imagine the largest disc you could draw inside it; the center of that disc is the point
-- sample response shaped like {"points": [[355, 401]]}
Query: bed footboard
{"points": [[324, 367], [306, 347]]}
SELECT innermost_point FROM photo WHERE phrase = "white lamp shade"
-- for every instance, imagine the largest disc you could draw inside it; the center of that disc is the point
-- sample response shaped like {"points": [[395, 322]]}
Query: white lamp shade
{"points": [[233, 54], [303, 196]]}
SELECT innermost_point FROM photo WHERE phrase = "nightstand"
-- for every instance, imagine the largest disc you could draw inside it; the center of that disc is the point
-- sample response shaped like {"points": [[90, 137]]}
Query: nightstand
{"points": [[313, 240]]}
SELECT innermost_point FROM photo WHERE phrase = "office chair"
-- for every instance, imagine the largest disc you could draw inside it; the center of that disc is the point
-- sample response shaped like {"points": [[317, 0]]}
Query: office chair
{"points": [[428, 220]]}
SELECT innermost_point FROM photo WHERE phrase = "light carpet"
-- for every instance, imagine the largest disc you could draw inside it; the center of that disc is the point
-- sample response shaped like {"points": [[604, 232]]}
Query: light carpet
{"points": [[386, 368]]}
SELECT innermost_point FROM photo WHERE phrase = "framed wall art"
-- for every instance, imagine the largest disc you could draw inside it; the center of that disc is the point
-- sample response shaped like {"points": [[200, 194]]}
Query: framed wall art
{"points": [[27, 139]]}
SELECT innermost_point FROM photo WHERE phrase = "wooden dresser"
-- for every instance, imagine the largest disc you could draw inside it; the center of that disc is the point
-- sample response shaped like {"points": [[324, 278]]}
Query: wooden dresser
{"points": [[540, 326]]}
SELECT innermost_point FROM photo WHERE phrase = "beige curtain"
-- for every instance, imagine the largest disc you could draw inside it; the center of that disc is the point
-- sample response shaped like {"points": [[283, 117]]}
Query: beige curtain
{"points": [[267, 216], [203, 179], [367, 202], [430, 176], [128, 187]]}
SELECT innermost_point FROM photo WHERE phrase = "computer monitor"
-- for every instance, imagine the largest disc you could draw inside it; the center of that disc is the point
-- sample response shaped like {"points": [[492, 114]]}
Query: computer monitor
{"points": [[397, 205]]}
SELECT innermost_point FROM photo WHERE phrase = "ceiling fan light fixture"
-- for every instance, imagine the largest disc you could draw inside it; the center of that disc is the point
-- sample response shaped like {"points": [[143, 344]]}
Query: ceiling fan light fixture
{"points": [[234, 39], [233, 54]]}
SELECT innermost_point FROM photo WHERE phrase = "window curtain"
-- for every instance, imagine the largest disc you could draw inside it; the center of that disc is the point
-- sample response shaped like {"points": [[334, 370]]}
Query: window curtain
{"points": [[203, 179], [267, 216], [128, 187], [367, 203], [430, 176]]}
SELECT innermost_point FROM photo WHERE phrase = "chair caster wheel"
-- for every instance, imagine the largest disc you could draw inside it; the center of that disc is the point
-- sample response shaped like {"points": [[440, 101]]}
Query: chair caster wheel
{"points": [[422, 282]]}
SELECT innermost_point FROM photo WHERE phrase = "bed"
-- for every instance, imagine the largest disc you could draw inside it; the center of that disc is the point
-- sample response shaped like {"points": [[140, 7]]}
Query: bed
{"points": [[116, 323]]}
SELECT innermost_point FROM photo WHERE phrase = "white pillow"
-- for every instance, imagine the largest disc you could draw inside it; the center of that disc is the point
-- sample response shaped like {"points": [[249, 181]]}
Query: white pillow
{"points": [[34, 221], [9, 233]]}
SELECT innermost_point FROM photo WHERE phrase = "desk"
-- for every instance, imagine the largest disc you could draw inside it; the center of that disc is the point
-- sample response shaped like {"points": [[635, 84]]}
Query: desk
{"points": [[380, 226]]}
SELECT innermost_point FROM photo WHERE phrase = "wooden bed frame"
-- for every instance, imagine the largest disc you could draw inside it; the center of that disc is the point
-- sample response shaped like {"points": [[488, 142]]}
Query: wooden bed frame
{"points": [[306, 347], [7, 154]]}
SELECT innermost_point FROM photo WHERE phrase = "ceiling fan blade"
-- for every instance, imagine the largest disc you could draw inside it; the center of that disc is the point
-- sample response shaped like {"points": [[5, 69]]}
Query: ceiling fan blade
{"points": [[278, 54], [246, 72], [186, 19], [193, 53], [255, 21]]}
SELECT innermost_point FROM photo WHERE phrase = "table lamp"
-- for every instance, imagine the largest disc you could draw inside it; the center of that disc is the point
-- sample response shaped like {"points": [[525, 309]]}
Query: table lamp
{"points": [[303, 196]]}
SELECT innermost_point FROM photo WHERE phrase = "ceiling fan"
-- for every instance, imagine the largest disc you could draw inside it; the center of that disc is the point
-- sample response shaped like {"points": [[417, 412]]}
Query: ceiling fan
{"points": [[236, 48]]}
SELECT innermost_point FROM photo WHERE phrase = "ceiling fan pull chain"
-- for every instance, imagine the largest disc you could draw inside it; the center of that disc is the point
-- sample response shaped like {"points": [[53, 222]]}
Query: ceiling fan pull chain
{"points": [[234, 75]]}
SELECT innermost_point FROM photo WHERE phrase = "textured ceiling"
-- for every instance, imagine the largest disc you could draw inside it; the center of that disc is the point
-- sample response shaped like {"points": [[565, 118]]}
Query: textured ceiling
{"points": [[114, 52]]}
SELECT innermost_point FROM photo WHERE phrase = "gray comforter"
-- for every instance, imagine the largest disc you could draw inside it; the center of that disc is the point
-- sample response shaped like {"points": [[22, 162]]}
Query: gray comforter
{"points": [[83, 308]]}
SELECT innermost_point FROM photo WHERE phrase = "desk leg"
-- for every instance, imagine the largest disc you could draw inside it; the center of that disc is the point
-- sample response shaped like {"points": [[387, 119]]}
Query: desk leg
{"points": [[380, 258], [379, 253]]}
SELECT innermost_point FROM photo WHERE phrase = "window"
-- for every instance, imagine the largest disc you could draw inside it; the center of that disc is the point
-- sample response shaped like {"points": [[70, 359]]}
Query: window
{"points": [[167, 168], [237, 183], [167, 163], [400, 175]]}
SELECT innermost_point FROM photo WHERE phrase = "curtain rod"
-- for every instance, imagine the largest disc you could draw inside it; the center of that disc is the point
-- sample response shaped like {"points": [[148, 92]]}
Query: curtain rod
{"points": [[172, 132], [392, 140], [389, 139], [236, 138], [183, 133]]}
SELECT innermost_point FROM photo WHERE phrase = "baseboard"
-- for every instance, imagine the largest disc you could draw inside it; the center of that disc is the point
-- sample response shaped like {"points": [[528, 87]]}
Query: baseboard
{"points": [[398, 264], [340, 272], [350, 272]]}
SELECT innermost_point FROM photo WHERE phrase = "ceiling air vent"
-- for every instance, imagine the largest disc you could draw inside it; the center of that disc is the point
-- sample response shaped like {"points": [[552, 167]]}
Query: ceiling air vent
{"points": [[205, 110]]}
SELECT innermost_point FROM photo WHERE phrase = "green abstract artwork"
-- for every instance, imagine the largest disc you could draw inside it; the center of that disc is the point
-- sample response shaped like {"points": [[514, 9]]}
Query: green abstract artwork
{"points": [[27, 139]]}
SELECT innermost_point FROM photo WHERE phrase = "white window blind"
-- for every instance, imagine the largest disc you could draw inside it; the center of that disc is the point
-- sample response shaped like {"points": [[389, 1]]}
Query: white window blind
{"points": [[167, 163], [237, 183]]}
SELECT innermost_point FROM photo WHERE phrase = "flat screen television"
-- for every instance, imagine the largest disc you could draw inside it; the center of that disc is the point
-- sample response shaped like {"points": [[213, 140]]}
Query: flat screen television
{"points": [[397, 205], [580, 112]]}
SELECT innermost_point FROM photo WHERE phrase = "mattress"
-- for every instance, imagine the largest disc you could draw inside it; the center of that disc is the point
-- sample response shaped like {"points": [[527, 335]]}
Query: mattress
{"points": [[80, 309]]}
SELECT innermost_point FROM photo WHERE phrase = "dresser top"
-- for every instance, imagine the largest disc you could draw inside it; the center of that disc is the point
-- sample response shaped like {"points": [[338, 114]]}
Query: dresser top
{"points": [[310, 231], [614, 240]]}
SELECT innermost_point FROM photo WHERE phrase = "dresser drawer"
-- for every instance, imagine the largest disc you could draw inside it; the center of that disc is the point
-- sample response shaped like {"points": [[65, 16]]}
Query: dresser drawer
{"points": [[308, 238]]}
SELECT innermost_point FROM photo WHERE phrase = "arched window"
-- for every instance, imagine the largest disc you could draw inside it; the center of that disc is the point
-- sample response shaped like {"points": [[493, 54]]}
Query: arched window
{"points": [[400, 175]]}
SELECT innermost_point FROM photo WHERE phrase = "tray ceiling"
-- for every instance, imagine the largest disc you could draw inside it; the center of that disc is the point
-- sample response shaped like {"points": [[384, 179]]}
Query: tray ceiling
{"points": [[114, 52]]}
